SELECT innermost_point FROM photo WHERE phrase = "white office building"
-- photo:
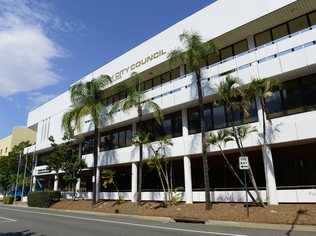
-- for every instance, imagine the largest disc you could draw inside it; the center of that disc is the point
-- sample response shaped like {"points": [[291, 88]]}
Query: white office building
{"points": [[268, 39]]}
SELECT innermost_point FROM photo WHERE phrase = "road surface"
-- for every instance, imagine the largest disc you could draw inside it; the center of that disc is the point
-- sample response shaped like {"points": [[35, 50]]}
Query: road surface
{"points": [[17, 221]]}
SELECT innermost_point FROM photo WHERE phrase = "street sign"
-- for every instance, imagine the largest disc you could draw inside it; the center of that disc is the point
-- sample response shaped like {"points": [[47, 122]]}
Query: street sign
{"points": [[243, 163]]}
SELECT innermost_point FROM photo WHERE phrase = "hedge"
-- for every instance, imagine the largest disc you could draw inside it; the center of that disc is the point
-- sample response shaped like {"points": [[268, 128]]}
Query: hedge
{"points": [[8, 200], [42, 199]]}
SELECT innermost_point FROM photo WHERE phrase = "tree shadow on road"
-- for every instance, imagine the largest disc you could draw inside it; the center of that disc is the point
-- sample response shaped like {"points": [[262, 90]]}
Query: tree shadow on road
{"points": [[21, 233], [298, 214]]}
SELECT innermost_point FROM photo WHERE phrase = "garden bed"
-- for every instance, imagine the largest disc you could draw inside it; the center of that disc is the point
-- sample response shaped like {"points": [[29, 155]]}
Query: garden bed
{"points": [[304, 214]]}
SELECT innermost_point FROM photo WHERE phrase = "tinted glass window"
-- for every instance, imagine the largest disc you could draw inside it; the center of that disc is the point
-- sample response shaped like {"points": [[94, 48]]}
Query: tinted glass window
{"points": [[213, 58], [240, 47], [226, 52], [219, 118], [263, 38], [194, 120], [312, 18], [298, 24], [148, 84], [208, 118], [177, 124], [175, 73], [122, 138], [292, 95], [156, 81], [274, 103], [165, 77], [279, 31], [309, 90], [167, 126]]}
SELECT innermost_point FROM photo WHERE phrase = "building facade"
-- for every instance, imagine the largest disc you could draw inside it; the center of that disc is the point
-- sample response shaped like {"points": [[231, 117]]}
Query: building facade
{"points": [[18, 135], [256, 39]]}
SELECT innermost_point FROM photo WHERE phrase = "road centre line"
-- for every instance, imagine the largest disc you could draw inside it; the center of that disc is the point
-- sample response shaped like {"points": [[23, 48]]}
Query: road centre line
{"points": [[124, 223], [6, 220]]}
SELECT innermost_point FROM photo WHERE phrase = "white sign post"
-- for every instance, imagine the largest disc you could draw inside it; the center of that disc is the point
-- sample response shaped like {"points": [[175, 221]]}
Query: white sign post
{"points": [[244, 166]]}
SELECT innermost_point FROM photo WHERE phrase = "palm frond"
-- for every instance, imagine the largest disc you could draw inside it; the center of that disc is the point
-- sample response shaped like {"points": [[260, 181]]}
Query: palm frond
{"points": [[155, 108]]}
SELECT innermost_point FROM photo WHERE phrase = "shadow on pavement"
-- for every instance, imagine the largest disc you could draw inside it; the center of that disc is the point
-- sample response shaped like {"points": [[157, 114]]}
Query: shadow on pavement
{"points": [[21, 233]]}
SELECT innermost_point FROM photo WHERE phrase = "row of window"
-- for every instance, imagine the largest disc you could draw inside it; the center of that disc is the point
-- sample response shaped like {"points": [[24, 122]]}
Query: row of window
{"points": [[286, 28], [218, 117], [171, 126], [146, 85], [117, 138], [295, 96]]}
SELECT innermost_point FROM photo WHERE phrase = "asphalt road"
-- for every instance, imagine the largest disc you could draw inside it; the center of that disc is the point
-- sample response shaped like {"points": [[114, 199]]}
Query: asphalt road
{"points": [[16, 221]]}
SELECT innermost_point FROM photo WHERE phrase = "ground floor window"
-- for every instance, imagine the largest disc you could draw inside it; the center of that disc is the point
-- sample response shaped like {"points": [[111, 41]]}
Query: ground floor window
{"points": [[221, 177], [122, 179], [44, 183], [295, 166], [152, 183], [86, 181]]}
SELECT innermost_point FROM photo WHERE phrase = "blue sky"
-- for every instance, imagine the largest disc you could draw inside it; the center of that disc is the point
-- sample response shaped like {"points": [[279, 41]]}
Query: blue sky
{"points": [[47, 45]]}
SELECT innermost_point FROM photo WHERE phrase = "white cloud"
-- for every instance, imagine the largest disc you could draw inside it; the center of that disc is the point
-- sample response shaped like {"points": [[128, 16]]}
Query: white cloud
{"points": [[26, 50]]}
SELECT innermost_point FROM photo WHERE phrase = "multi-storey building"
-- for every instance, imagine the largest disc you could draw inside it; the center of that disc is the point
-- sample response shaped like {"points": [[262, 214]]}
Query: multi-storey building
{"points": [[18, 134], [256, 39]]}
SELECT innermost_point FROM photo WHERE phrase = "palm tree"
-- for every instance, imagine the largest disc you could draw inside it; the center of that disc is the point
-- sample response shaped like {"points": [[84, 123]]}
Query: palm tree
{"points": [[231, 94], [193, 56], [135, 99], [261, 89], [88, 100], [220, 138]]}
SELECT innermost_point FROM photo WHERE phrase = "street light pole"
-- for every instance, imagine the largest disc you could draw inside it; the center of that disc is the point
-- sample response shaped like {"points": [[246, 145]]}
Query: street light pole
{"points": [[24, 175], [17, 177]]}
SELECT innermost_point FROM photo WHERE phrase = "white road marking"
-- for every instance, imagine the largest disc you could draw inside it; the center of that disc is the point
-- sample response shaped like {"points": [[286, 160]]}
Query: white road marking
{"points": [[6, 220], [124, 223]]}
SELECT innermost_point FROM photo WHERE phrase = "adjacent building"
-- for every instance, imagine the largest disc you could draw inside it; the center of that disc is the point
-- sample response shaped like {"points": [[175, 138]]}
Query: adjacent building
{"points": [[18, 135], [256, 39]]}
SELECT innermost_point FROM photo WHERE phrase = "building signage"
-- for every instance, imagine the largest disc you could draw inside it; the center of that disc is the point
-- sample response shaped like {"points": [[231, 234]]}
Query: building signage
{"points": [[131, 68], [43, 170]]}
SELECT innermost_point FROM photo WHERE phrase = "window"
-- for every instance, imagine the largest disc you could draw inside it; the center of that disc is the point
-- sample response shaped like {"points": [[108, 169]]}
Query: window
{"points": [[312, 18], [292, 96], [208, 117], [117, 138], [87, 146], [274, 103], [280, 31], [240, 47], [263, 38], [298, 24], [213, 58], [194, 120], [171, 126], [148, 84], [226, 52], [309, 91], [175, 73], [219, 117], [156, 81], [165, 77]]}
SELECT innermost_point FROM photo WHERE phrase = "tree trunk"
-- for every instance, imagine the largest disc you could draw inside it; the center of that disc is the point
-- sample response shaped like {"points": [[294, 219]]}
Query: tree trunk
{"points": [[140, 164], [95, 164], [204, 143], [242, 153]]}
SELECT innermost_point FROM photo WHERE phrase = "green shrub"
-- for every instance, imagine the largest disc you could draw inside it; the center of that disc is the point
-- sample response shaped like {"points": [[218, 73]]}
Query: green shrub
{"points": [[42, 199], [8, 200]]}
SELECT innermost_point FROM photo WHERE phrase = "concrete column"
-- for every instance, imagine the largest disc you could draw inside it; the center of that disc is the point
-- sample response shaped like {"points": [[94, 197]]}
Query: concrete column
{"points": [[251, 42], [134, 183], [56, 182], [182, 70], [78, 185], [187, 180], [33, 183], [97, 179], [272, 194]]}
